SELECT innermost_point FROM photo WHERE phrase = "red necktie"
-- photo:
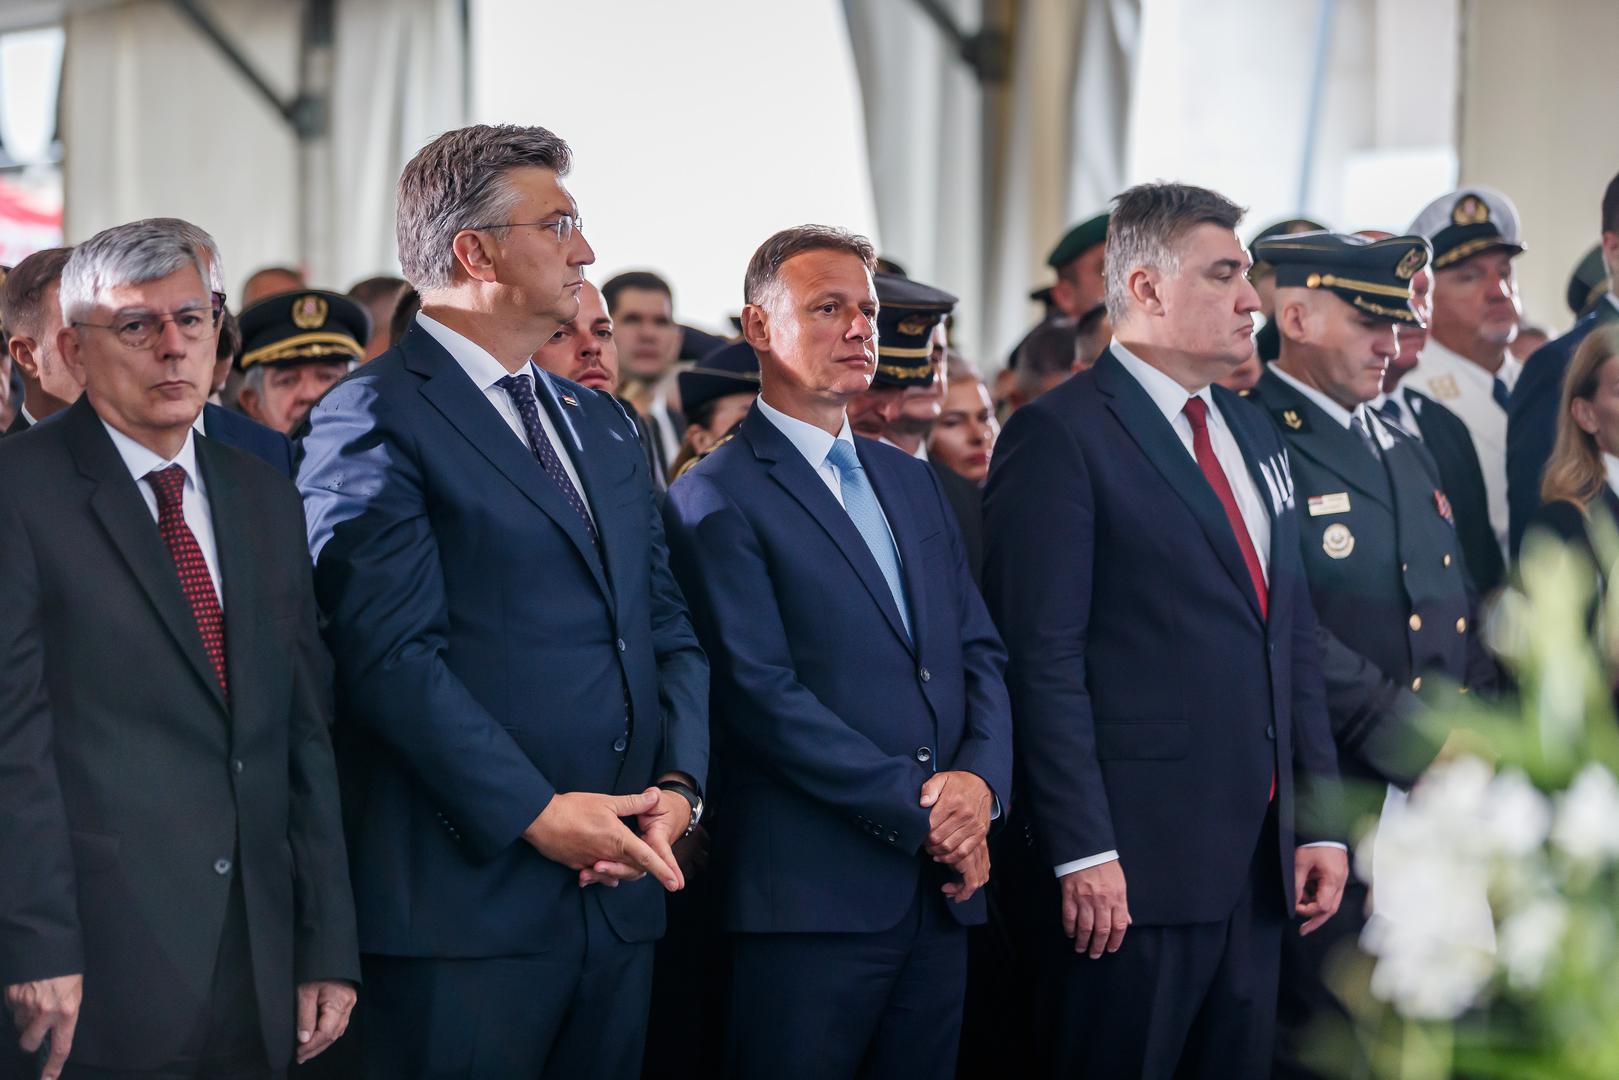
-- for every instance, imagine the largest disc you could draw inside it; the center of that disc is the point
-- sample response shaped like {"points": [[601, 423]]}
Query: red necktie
{"points": [[169, 486], [1197, 411]]}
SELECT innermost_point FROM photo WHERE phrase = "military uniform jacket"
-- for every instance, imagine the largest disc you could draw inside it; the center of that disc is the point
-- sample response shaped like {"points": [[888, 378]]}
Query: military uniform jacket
{"points": [[1388, 580]]}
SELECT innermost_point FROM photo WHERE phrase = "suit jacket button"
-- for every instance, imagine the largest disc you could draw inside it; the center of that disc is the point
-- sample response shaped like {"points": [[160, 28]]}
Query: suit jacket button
{"points": [[236, 766], [620, 743], [924, 755], [1447, 560], [222, 867], [925, 674], [1415, 622], [1461, 625], [621, 645], [893, 837], [1270, 731], [1416, 683]]}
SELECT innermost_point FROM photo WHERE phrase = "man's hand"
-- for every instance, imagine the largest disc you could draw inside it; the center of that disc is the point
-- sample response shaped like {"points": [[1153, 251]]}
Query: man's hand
{"points": [[1319, 874], [959, 820], [47, 1006], [974, 870], [323, 1015], [582, 830], [1094, 910]]}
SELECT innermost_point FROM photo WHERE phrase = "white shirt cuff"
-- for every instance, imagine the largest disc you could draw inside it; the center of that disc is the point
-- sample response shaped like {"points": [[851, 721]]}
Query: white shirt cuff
{"points": [[1327, 843], [1064, 869]]}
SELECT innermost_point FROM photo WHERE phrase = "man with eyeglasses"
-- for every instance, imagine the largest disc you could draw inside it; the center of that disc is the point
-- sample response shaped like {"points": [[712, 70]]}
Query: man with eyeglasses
{"points": [[522, 700], [176, 896]]}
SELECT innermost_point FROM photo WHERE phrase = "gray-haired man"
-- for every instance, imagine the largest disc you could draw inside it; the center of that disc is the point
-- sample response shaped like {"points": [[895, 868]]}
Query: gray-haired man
{"points": [[175, 899], [516, 670]]}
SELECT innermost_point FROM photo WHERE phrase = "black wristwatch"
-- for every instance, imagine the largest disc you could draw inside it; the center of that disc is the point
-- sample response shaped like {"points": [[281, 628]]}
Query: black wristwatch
{"points": [[685, 791]]}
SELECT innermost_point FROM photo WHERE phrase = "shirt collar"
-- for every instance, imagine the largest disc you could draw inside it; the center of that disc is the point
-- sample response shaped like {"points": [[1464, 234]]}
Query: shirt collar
{"points": [[1611, 464], [808, 439], [140, 461], [481, 367], [197, 424], [1436, 356], [1169, 395], [22, 407], [1321, 401]]}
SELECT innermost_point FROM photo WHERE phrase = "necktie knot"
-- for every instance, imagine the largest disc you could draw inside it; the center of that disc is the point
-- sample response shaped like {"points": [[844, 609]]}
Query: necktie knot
{"points": [[520, 389], [843, 456], [1197, 411], [168, 485]]}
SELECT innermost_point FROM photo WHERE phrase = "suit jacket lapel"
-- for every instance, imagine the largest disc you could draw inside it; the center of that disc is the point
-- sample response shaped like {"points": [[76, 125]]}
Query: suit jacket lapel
{"points": [[789, 469], [463, 404], [1141, 419], [236, 541], [1327, 443], [576, 433], [123, 513], [891, 496]]}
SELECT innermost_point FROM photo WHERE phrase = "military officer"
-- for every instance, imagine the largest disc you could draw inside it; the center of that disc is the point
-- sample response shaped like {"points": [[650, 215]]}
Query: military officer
{"points": [[1386, 569], [1263, 275], [295, 347]]}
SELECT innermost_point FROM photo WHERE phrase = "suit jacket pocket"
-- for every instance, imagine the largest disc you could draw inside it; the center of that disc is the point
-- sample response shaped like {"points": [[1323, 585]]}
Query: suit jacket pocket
{"points": [[1142, 740], [92, 851]]}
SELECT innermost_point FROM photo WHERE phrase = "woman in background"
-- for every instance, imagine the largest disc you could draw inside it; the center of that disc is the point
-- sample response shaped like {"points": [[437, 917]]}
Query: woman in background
{"points": [[965, 432], [1582, 476]]}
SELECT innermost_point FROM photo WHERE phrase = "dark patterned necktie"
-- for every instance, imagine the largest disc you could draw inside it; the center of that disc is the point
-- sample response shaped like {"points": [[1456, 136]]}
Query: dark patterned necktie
{"points": [[1357, 424], [195, 582], [521, 391]]}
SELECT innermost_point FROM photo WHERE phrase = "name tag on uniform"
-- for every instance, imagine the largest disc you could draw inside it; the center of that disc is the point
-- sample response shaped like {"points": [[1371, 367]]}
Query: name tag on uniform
{"points": [[1336, 503]]}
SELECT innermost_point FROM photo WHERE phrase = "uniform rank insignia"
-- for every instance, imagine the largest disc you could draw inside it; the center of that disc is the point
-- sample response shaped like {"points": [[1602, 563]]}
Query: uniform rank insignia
{"points": [[1338, 542], [1336, 503], [1444, 388], [1292, 419], [1442, 504]]}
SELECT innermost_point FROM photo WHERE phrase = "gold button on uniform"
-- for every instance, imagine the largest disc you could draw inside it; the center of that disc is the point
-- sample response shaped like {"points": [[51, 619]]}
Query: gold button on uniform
{"points": [[1416, 622], [1416, 683], [1447, 560], [1461, 625]]}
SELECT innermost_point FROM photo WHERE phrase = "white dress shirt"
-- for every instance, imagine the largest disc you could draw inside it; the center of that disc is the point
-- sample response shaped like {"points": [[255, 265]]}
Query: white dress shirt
{"points": [[816, 445], [1342, 416], [485, 372], [193, 497], [1469, 391], [1171, 397]]}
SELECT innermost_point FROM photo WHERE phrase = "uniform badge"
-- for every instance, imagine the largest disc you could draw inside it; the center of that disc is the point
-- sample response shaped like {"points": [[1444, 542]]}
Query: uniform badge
{"points": [[1442, 504], [1470, 210], [1292, 419], [1338, 542], [1335, 503], [309, 312], [1408, 267], [1444, 387], [916, 325]]}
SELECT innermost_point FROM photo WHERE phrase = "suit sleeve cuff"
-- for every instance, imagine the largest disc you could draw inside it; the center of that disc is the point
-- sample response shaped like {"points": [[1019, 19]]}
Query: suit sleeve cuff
{"points": [[1064, 869], [1326, 843]]}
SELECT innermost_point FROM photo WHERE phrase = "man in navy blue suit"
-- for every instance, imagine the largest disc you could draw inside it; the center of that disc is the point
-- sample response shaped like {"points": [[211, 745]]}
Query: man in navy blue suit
{"points": [[1532, 409], [1143, 566], [517, 675], [858, 696]]}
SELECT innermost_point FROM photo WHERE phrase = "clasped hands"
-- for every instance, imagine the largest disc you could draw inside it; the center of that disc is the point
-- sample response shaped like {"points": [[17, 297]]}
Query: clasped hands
{"points": [[960, 804], [583, 831]]}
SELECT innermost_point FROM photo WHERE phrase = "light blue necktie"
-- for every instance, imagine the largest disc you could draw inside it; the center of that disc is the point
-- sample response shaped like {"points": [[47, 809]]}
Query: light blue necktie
{"points": [[860, 502]]}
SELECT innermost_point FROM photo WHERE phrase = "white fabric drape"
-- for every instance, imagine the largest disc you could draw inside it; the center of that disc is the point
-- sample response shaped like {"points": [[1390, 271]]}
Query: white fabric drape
{"points": [[156, 122]]}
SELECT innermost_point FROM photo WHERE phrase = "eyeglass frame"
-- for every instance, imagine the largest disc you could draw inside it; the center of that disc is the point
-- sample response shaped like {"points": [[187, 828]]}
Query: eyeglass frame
{"points": [[216, 310], [574, 222]]}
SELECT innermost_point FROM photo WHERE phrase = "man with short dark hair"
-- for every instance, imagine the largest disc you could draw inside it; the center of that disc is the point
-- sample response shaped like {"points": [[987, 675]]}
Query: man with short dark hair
{"points": [[858, 683], [379, 296], [1143, 565], [522, 702], [170, 820], [641, 305], [1045, 359], [271, 281], [32, 318], [1532, 410]]}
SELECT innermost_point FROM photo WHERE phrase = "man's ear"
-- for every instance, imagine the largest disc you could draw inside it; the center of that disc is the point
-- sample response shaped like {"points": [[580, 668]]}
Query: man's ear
{"points": [[22, 354], [247, 399], [1293, 319], [67, 347], [475, 254], [756, 327], [1145, 285]]}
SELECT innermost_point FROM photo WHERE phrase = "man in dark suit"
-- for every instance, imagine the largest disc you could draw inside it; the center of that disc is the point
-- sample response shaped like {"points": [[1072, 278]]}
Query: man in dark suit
{"points": [[1532, 411], [1444, 436], [516, 669], [161, 619], [858, 687], [1386, 573], [33, 318], [1143, 565]]}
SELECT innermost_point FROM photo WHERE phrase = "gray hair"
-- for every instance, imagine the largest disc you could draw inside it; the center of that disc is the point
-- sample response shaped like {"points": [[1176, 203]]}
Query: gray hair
{"points": [[459, 181], [1148, 223], [199, 239], [130, 254], [759, 284]]}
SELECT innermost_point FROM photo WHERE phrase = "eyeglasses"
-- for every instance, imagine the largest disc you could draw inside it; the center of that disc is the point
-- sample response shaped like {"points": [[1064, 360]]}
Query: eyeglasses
{"points": [[141, 330], [566, 226]]}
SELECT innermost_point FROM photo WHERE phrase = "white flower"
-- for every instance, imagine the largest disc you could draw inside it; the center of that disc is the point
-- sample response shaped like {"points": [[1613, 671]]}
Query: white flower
{"points": [[1423, 976], [1587, 823], [1516, 816], [1529, 939]]}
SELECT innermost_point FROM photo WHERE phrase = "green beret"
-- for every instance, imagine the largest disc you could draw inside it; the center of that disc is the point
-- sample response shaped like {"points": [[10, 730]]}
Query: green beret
{"points": [[1589, 282], [1078, 240]]}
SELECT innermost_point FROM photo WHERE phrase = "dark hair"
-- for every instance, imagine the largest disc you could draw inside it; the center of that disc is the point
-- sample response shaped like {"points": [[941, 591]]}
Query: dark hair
{"points": [[457, 182], [1610, 206], [25, 288], [1148, 224], [1088, 321], [230, 339], [767, 261], [645, 280], [375, 290], [1048, 349], [410, 302]]}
